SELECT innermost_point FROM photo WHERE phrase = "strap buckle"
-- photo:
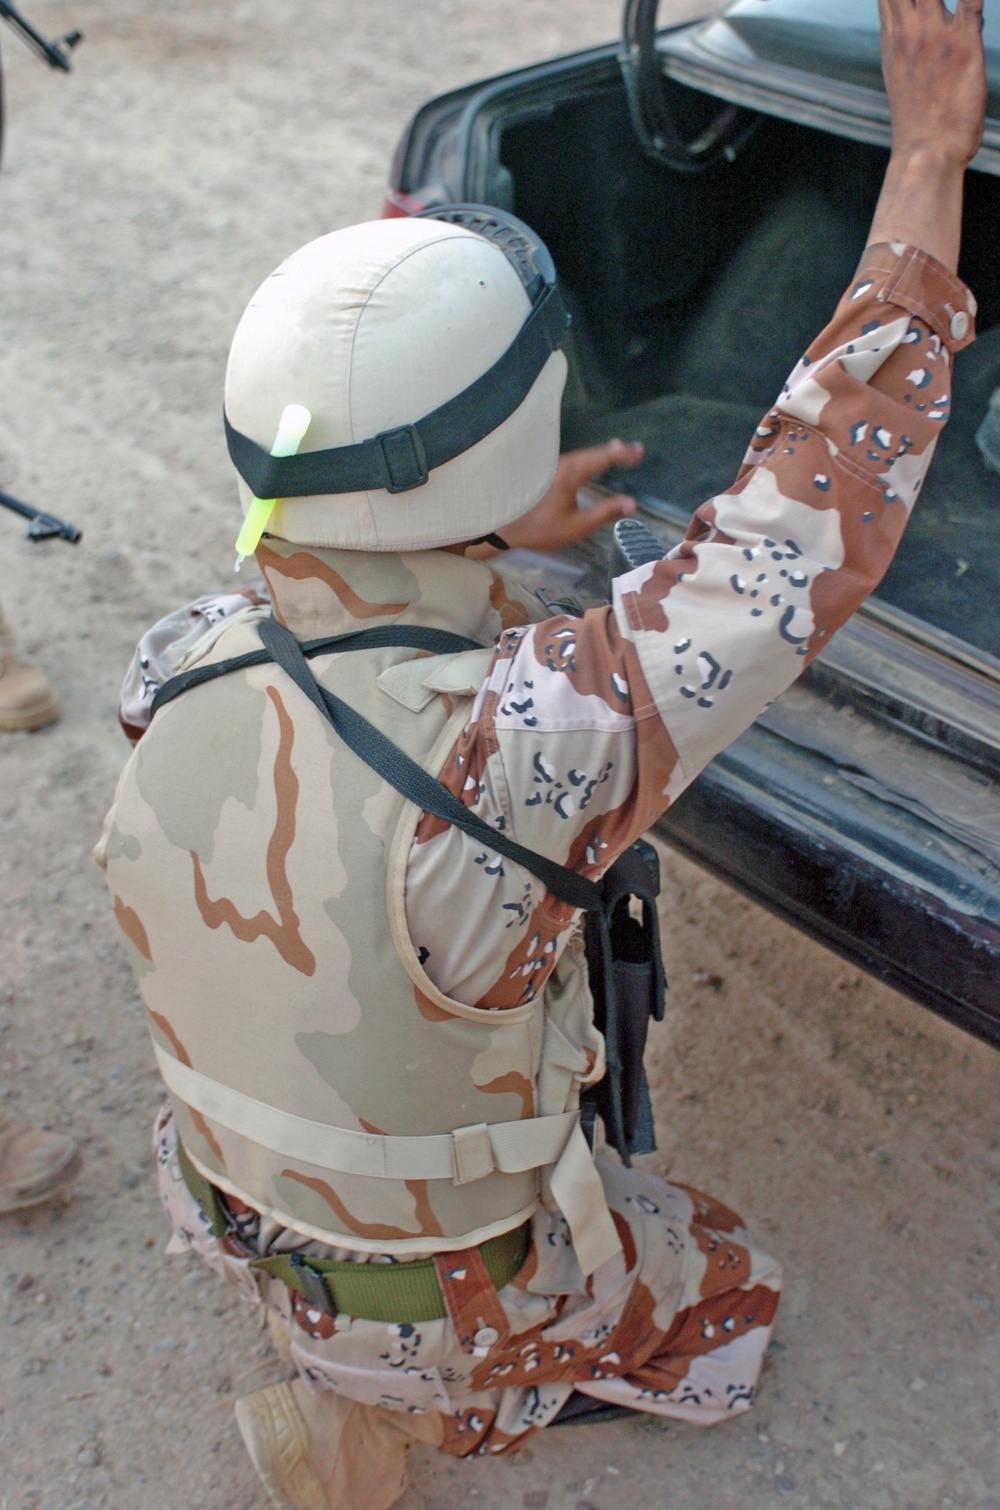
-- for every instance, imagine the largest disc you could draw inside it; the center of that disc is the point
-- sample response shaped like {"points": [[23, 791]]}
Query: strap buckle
{"points": [[401, 459], [471, 1153]]}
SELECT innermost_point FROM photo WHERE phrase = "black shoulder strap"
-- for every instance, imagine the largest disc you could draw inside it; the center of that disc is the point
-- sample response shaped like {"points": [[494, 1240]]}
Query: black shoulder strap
{"points": [[417, 785], [407, 636]]}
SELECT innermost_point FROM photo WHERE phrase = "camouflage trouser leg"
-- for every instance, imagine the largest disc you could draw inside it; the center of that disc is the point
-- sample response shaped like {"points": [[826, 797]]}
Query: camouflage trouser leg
{"points": [[677, 1325], [360, 1452]]}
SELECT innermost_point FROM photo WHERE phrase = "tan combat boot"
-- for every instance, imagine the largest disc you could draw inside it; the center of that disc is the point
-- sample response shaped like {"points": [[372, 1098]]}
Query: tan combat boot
{"points": [[27, 700], [276, 1436], [35, 1166]]}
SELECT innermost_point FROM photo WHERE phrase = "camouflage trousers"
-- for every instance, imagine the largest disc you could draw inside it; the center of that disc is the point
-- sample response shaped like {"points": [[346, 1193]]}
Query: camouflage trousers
{"points": [[676, 1325]]}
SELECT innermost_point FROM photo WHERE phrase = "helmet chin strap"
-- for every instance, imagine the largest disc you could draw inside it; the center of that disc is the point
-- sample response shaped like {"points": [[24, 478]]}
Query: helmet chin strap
{"points": [[459, 547]]}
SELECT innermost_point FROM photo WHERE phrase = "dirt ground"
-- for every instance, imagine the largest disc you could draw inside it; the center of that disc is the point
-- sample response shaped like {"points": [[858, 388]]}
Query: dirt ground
{"points": [[142, 200]]}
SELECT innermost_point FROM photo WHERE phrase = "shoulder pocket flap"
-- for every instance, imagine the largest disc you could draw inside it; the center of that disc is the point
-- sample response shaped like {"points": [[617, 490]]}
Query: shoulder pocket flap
{"points": [[405, 683], [417, 682], [457, 674]]}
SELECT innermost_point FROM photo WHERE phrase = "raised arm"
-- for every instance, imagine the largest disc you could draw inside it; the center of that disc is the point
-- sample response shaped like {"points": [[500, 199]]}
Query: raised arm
{"points": [[771, 568], [588, 729], [935, 77]]}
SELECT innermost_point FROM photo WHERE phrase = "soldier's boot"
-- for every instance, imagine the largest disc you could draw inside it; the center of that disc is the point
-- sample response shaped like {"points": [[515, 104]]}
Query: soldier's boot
{"points": [[35, 1166], [319, 1451], [27, 700], [276, 1436]]}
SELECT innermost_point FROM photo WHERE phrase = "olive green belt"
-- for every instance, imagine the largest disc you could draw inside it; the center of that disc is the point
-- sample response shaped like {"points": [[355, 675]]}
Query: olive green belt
{"points": [[403, 1292]]}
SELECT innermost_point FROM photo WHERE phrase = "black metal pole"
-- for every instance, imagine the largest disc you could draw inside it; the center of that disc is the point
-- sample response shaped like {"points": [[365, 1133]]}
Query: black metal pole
{"points": [[41, 526]]}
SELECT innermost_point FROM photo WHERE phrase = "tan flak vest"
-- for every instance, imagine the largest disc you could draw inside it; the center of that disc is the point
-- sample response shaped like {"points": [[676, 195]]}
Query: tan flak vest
{"points": [[257, 869]]}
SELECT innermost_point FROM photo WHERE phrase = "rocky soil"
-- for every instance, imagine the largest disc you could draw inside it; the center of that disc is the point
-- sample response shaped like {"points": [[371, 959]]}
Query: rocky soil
{"points": [[142, 200]]}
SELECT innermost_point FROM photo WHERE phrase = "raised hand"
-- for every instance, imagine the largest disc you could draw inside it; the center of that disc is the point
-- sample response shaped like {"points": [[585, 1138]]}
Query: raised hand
{"points": [[558, 520], [935, 76]]}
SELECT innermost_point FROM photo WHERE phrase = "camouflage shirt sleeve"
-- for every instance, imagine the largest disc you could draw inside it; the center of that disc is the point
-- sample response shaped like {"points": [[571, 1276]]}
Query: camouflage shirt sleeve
{"points": [[587, 729], [163, 649]]}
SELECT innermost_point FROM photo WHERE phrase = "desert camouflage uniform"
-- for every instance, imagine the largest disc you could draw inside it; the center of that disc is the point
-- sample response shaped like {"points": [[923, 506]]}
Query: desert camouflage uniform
{"points": [[301, 934]]}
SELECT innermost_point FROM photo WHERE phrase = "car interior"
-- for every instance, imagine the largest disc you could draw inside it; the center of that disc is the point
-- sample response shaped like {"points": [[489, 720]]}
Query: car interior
{"points": [[693, 294]]}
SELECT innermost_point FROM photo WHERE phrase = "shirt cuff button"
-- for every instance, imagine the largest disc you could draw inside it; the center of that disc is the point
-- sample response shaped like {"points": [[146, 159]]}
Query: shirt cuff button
{"points": [[959, 325], [486, 1336]]}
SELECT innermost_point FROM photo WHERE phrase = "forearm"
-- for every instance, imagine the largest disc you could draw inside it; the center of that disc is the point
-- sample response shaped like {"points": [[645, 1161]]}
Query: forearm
{"points": [[935, 80], [921, 203]]}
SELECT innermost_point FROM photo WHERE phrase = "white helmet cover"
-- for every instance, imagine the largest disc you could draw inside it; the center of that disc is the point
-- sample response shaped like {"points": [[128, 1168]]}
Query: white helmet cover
{"points": [[374, 327]]}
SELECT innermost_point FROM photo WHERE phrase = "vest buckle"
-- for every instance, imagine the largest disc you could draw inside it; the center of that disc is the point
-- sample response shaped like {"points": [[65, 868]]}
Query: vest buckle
{"points": [[471, 1153]]}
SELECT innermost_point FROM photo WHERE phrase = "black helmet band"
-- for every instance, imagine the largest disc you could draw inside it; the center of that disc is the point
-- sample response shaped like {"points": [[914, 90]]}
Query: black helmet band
{"points": [[403, 458]]}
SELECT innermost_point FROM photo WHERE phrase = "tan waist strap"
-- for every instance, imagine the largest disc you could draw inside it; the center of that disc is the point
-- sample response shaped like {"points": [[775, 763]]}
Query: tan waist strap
{"points": [[468, 1153]]}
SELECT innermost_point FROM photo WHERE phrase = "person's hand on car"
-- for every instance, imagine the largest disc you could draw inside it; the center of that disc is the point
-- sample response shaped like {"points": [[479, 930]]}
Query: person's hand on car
{"points": [[559, 520], [935, 77]]}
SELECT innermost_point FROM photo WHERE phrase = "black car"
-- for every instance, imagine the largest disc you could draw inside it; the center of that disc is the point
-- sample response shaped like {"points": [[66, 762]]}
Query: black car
{"points": [[706, 193]]}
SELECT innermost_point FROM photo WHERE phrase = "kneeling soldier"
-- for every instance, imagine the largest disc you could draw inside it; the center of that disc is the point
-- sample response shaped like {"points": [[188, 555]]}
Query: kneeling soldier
{"points": [[343, 873]]}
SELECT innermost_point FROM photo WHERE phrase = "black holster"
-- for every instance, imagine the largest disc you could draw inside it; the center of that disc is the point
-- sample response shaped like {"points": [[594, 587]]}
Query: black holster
{"points": [[627, 982]]}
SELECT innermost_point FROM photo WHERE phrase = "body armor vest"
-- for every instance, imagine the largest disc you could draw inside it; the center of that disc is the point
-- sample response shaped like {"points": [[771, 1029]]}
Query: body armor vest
{"points": [[258, 870]]}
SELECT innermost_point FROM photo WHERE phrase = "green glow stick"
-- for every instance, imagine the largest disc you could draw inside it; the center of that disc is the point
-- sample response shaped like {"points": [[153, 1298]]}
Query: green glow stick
{"points": [[292, 426]]}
